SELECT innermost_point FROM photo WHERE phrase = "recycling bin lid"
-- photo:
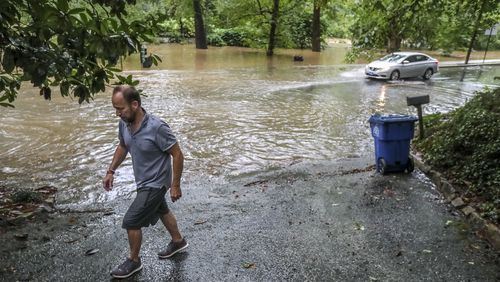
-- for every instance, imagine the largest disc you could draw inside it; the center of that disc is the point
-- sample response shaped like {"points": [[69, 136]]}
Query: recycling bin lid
{"points": [[392, 118]]}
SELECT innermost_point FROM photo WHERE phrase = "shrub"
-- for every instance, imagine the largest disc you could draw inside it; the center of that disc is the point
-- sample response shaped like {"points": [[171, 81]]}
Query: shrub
{"points": [[465, 145]]}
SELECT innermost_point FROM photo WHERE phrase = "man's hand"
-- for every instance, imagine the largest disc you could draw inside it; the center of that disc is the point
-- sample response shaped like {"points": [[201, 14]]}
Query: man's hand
{"points": [[175, 193], [107, 182]]}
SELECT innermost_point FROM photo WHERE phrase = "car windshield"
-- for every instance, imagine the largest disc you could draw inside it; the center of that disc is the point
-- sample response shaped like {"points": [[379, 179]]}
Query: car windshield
{"points": [[392, 58]]}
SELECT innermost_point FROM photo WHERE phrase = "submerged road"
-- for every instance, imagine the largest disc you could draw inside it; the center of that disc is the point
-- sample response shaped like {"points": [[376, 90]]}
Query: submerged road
{"points": [[324, 221]]}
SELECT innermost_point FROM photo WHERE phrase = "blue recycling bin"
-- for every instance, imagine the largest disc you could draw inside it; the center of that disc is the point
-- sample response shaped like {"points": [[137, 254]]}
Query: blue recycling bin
{"points": [[392, 135]]}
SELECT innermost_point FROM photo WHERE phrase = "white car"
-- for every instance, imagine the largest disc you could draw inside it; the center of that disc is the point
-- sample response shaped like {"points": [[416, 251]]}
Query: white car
{"points": [[402, 65]]}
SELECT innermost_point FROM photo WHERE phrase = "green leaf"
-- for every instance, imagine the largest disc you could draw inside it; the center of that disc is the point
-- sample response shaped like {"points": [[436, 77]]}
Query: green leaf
{"points": [[62, 5], [64, 87], [8, 63], [113, 69], [7, 105], [84, 18]]}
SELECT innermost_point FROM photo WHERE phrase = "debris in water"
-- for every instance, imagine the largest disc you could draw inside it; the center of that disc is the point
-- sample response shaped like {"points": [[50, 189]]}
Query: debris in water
{"points": [[72, 220]]}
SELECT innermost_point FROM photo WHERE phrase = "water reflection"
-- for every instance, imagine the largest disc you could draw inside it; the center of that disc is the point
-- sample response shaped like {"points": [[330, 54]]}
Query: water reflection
{"points": [[381, 99], [230, 120]]}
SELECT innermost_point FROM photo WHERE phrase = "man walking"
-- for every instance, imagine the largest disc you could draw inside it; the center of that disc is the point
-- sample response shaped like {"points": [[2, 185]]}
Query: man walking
{"points": [[153, 148]]}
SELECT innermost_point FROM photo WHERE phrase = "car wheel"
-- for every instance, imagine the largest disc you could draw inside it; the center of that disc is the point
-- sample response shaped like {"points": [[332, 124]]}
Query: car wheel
{"points": [[427, 74], [394, 75]]}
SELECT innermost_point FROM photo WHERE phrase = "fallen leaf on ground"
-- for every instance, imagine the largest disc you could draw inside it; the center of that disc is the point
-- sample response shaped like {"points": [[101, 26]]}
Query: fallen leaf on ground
{"points": [[198, 222], [388, 192], [448, 222], [22, 237], [91, 252], [258, 182], [248, 265], [427, 251], [359, 226], [373, 278], [471, 262], [71, 241]]}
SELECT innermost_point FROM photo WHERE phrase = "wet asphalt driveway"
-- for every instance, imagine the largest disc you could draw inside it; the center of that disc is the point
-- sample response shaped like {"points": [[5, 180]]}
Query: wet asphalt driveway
{"points": [[325, 221]]}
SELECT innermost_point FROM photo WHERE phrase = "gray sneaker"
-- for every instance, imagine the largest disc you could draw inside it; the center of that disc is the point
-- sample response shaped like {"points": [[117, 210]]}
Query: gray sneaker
{"points": [[173, 248], [126, 269]]}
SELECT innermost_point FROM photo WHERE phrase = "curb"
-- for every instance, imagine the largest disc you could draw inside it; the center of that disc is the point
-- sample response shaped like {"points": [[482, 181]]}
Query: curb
{"points": [[478, 224], [451, 64]]}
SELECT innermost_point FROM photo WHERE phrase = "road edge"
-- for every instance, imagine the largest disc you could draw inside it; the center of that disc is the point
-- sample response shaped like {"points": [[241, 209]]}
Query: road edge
{"points": [[480, 226]]}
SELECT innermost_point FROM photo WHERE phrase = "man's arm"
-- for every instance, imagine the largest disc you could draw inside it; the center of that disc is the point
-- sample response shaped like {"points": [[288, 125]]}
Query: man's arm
{"points": [[178, 166], [120, 154]]}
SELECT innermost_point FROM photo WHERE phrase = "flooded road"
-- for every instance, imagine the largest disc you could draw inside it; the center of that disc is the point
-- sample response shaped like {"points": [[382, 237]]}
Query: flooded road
{"points": [[234, 113]]}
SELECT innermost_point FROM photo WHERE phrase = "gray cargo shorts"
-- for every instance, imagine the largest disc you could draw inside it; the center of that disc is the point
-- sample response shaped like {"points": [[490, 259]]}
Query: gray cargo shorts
{"points": [[146, 209]]}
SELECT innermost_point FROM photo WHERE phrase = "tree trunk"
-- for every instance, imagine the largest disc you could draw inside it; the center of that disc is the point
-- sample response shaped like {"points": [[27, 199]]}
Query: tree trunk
{"points": [[394, 43], [199, 27], [274, 25], [316, 28], [474, 33], [393, 39]]}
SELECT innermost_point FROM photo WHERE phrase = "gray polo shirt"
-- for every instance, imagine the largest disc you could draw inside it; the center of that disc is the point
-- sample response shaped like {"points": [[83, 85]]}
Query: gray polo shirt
{"points": [[148, 148]]}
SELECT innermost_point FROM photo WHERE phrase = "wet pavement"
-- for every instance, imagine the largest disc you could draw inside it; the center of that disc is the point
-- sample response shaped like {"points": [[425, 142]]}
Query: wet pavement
{"points": [[310, 221]]}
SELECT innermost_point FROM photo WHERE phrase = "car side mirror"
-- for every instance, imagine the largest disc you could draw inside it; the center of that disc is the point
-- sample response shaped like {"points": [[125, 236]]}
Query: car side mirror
{"points": [[406, 62]]}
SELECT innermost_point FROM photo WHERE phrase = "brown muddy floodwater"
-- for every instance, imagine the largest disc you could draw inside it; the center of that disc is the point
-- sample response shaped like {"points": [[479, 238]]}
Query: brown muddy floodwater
{"points": [[235, 112]]}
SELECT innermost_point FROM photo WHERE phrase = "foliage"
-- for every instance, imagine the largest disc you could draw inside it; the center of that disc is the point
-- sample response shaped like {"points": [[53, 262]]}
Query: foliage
{"points": [[70, 45], [442, 24], [338, 17], [73, 46], [380, 22], [465, 144], [25, 196], [295, 29], [176, 30]]}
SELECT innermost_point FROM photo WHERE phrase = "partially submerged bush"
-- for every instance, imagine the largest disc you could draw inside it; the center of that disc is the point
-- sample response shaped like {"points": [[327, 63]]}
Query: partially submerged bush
{"points": [[465, 145], [25, 197]]}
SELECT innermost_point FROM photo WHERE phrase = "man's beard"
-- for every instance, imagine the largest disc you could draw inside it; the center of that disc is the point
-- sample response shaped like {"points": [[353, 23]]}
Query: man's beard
{"points": [[129, 119]]}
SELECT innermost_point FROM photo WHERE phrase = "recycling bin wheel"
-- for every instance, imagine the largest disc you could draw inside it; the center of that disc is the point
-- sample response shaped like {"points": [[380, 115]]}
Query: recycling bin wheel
{"points": [[411, 165], [382, 166]]}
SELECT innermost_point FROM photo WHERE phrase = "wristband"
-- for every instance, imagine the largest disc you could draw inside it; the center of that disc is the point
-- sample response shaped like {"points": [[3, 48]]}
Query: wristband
{"points": [[110, 171]]}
